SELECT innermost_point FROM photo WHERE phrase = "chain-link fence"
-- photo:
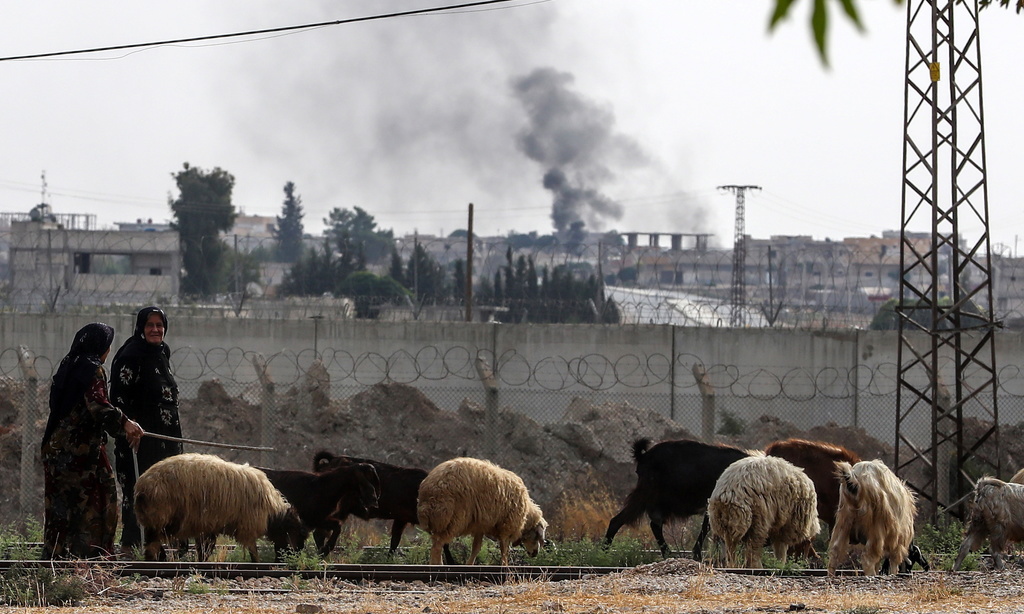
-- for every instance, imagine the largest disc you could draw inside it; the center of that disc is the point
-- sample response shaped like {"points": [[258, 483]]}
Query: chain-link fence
{"points": [[425, 404]]}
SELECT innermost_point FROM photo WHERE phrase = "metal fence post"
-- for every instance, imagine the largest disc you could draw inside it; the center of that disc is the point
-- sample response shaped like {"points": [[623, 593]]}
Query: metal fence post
{"points": [[491, 411], [707, 402], [268, 404], [29, 439]]}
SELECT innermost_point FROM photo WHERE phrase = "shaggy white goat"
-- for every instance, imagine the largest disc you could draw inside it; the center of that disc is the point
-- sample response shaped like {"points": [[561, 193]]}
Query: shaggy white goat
{"points": [[200, 496], [997, 513], [763, 499], [876, 508], [469, 496]]}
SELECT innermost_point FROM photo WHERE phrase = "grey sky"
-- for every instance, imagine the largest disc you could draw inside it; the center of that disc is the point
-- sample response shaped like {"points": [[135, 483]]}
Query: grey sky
{"points": [[414, 118]]}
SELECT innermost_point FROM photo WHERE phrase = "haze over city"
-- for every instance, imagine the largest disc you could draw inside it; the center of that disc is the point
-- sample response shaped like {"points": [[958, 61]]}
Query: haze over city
{"points": [[625, 115]]}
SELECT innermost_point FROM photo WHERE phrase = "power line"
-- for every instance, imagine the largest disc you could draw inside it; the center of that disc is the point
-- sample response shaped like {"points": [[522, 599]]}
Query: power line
{"points": [[195, 39]]}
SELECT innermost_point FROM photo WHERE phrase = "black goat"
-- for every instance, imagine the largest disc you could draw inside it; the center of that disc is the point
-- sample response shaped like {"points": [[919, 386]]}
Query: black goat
{"points": [[399, 489], [674, 481], [323, 500]]}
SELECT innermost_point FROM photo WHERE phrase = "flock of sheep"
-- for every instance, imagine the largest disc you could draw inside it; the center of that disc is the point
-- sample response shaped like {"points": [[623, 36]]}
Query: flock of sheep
{"points": [[779, 496], [200, 496]]}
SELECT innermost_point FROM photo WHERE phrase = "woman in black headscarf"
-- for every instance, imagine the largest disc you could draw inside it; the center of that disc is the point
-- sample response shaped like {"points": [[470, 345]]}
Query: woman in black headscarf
{"points": [[80, 518], [143, 386]]}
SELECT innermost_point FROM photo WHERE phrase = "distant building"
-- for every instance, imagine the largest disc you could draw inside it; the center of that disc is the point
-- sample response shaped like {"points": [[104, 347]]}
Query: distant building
{"points": [[250, 232], [141, 225], [51, 266]]}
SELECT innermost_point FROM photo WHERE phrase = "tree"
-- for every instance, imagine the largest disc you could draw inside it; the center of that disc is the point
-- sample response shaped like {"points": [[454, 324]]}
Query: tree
{"points": [[288, 231], [888, 319], [819, 18], [311, 275], [320, 272], [202, 211], [370, 291], [359, 228], [424, 276]]}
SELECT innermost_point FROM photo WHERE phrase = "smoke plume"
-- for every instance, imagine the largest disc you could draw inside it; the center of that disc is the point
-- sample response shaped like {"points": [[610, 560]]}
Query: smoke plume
{"points": [[574, 140]]}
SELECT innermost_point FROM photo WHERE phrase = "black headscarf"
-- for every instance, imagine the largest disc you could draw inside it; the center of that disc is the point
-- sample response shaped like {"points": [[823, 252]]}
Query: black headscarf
{"points": [[137, 344], [76, 371]]}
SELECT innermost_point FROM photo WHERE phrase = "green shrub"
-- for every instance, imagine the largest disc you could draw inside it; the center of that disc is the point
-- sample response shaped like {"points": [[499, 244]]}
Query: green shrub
{"points": [[40, 587], [731, 425], [623, 552]]}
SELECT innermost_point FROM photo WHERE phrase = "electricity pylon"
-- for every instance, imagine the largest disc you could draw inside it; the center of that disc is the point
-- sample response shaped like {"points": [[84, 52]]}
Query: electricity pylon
{"points": [[947, 373], [738, 300]]}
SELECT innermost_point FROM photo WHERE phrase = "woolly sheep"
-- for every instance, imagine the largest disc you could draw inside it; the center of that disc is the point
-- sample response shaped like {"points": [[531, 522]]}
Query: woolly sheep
{"points": [[201, 496], [762, 499], [876, 508], [469, 496], [997, 513]]}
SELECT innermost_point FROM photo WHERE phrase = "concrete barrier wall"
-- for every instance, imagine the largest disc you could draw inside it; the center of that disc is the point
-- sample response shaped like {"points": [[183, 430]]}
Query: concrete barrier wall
{"points": [[804, 377]]}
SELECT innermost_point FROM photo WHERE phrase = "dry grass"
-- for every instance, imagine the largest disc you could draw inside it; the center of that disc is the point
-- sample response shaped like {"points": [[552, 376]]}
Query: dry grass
{"points": [[583, 514], [671, 586]]}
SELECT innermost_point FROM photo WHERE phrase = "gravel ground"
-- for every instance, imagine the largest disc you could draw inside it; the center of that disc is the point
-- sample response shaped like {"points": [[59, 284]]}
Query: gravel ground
{"points": [[676, 585]]}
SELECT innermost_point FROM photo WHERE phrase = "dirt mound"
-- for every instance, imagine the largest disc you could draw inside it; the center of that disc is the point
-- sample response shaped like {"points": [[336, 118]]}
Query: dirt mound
{"points": [[589, 449]]}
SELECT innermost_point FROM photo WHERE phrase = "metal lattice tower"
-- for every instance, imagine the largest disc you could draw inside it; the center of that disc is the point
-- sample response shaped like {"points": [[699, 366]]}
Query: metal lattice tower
{"points": [[947, 373], [739, 255]]}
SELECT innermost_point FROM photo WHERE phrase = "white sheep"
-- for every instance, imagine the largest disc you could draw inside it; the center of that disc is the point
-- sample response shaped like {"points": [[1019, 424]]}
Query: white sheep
{"points": [[875, 508], [200, 496], [469, 496], [762, 499], [997, 513]]}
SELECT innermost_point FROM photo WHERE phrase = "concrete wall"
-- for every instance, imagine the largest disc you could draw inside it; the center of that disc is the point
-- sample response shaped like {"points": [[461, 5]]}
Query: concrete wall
{"points": [[805, 377]]}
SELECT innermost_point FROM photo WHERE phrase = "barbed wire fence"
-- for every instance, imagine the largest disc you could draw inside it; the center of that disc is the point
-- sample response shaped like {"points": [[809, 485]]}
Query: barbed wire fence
{"points": [[791, 283], [706, 400]]}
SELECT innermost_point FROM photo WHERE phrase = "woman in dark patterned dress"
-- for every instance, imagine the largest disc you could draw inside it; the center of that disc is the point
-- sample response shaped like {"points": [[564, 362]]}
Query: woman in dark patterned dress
{"points": [[80, 516], [143, 386]]}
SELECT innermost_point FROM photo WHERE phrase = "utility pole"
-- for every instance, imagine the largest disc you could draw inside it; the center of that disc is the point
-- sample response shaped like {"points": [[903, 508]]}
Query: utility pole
{"points": [[739, 255], [947, 371]]}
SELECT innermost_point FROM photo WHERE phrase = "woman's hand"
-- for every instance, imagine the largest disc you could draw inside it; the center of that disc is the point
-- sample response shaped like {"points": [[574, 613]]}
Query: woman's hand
{"points": [[133, 432]]}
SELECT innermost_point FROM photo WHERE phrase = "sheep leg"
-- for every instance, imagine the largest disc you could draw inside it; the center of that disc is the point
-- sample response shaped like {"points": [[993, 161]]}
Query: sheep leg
{"points": [[730, 552], [753, 554], [320, 537], [154, 548], [254, 552], [971, 542], [781, 551], [872, 556], [698, 546], [503, 545], [657, 528], [837, 551], [332, 540], [629, 515], [997, 545], [397, 528], [204, 547], [435, 549], [478, 541], [448, 558]]}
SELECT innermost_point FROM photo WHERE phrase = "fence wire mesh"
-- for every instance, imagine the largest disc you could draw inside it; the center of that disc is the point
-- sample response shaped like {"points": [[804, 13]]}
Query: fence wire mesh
{"points": [[424, 404]]}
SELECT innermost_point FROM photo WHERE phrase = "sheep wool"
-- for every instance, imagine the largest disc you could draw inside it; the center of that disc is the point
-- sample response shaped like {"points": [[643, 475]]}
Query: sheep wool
{"points": [[760, 499], [996, 514], [200, 496], [469, 496], [875, 507]]}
